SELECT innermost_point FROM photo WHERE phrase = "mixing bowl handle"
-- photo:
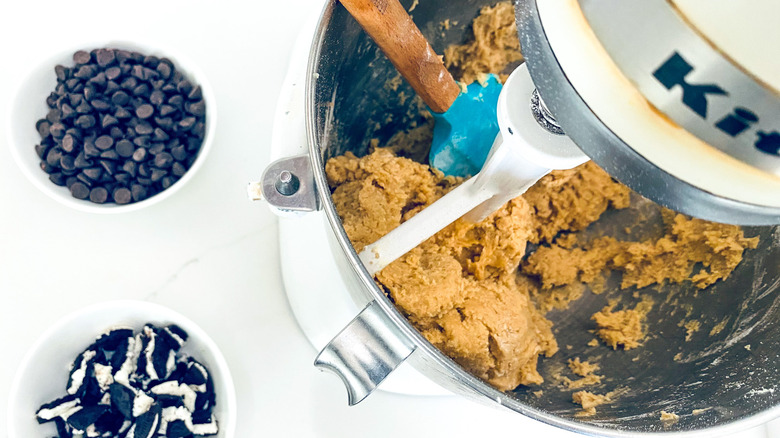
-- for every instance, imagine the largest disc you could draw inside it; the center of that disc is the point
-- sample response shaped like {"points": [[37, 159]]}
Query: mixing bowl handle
{"points": [[365, 352]]}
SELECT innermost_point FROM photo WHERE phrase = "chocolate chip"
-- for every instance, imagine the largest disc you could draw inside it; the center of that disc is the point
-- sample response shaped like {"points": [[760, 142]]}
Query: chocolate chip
{"points": [[164, 122], [57, 178], [122, 56], [46, 167], [100, 105], [142, 141], [151, 75], [43, 126], [138, 72], [92, 173], [99, 79], [41, 150], [167, 182], [84, 72], [184, 87], [57, 130], [144, 111], [109, 155], [84, 107], [122, 196], [144, 128], [195, 94], [79, 190], [90, 93], [53, 157], [113, 72], [98, 195], [178, 169], [166, 110], [151, 61], [163, 160], [160, 135], [164, 69], [158, 174], [120, 98], [81, 162], [139, 155], [61, 72], [179, 153], [104, 142], [177, 101], [54, 115], [130, 167], [85, 121], [81, 57], [67, 111], [129, 83], [71, 84], [187, 123], [67, 162], [105, 57], [157, 98], [156, 148], [141, 90], [108, 121], [197, 108], [124, 148], [122, 113], [111, 88], [138, 192]]}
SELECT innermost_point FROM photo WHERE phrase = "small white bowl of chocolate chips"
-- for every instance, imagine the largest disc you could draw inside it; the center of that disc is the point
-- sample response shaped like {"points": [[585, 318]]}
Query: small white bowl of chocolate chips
{"points": [[130, 369], [112, 127]]}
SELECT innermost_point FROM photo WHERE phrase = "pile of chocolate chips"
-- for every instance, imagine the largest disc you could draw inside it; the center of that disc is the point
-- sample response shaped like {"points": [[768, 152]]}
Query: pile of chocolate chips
{"points": [[135, 386], [121, 126]]}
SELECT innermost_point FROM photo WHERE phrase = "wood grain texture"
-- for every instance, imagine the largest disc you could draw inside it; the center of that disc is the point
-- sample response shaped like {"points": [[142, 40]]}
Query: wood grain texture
{"points": [[393, 30]]}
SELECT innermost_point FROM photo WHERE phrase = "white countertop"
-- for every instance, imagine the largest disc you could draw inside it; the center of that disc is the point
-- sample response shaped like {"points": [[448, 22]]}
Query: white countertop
{"points": [[206, 252]]}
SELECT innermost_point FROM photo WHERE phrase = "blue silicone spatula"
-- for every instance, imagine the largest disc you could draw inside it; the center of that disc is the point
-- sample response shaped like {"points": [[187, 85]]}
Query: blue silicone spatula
{"points": [[465, 120]]}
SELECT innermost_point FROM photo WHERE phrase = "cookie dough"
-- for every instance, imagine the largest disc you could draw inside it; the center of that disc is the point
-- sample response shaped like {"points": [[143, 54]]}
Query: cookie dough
{"points": [[494, 45], [669, 417], [674, 257], [589, 401], [622, 328], [459, 288], [587, 372]]}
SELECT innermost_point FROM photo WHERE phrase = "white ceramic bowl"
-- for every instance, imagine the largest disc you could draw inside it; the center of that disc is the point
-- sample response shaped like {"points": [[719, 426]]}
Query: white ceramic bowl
{"points": [[43, 373], [29, 105]]}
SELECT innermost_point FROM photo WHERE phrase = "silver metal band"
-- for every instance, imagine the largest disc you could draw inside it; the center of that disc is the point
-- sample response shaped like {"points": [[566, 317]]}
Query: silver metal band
{"points": [[689, 80]]}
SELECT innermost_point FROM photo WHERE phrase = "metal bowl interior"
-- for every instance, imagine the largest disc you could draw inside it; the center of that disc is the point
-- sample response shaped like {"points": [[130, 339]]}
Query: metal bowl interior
{"points": [[720, 378]]}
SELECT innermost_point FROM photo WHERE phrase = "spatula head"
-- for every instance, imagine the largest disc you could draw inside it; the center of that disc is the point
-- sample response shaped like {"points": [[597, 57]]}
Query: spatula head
{"points": [[463, 135]]}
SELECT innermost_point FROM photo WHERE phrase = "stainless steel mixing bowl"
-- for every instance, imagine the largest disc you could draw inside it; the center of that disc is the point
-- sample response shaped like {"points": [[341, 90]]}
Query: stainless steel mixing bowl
{"points": [[728, 377]]}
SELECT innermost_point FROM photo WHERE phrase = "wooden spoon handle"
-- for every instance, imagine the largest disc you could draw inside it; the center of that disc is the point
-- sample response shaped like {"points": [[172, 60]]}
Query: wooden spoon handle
{"points": [[387, 22]]}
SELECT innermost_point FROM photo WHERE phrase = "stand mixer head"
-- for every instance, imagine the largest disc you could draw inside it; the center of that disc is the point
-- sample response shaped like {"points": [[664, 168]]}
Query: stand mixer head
{"points": [[672, 98]]}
